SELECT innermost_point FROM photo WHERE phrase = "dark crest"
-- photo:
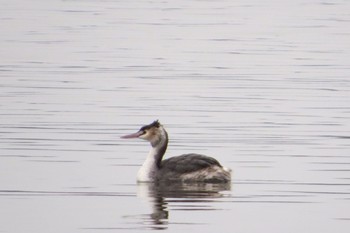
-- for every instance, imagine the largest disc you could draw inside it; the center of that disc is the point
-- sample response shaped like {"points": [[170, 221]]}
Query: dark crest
{"points": [[153, 124]]}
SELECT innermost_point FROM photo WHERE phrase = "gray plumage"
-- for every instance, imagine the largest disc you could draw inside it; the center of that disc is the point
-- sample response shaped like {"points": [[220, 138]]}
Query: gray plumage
{"points": [[192, 168], [188, 163]]}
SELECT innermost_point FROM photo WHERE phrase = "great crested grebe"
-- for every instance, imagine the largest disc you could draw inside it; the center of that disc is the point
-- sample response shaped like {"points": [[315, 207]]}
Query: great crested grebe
{"points": [[184, 168]]}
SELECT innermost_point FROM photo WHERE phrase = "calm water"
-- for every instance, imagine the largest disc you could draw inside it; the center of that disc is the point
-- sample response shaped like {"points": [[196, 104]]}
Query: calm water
{"points": [[263, 86]]}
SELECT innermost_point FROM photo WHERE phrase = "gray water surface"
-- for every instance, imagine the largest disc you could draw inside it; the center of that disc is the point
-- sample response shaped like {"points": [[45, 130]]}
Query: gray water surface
{"points": [[263, 86]]}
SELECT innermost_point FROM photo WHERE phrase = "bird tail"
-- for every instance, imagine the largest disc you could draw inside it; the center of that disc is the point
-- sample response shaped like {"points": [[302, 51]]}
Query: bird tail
{"points": [[227, 169]]}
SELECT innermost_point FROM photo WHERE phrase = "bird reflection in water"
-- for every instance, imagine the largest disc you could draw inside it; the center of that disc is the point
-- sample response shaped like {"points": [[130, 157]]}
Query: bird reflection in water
{"points": [[163, 196]]}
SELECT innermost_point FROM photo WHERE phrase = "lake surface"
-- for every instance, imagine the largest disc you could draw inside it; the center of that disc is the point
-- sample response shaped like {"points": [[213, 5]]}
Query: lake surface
{"points": [[263, 86]]}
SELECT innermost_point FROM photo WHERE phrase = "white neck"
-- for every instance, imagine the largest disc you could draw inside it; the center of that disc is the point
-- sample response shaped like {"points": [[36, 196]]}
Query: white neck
{"points": [[147, 172], [149, 169]]}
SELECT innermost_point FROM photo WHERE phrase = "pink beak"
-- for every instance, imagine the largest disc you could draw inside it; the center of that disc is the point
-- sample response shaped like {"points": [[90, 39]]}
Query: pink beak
{"points": [[133, 135]]}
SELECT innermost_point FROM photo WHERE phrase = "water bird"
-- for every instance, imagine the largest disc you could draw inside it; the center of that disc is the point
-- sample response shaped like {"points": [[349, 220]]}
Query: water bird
{"points": [[187, 168]]}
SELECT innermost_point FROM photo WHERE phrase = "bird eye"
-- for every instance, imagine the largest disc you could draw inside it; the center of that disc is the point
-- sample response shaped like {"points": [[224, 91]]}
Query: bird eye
{"points": [[143, 132]]}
